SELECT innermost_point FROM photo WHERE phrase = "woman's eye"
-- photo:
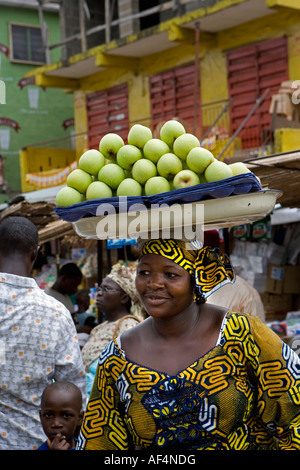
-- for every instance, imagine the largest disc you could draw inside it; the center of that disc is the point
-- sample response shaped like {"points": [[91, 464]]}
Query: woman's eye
{"points": [[171, 275], [143, 272]]}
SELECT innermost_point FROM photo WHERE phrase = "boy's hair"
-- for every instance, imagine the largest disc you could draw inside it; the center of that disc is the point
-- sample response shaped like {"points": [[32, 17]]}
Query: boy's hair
{"points": [[18, 234], [68, 386]]}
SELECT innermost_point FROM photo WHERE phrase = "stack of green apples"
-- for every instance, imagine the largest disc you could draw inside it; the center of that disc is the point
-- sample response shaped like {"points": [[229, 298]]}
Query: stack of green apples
{"points": [[144, 166]]}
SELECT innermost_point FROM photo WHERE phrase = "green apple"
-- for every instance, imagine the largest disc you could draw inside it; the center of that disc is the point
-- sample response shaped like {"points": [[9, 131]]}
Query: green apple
{"points": [[154, 149], [79, 179], [185, 179], [170, 131], [110, 144], [217, 171], [67, 196], [198, 159], [98, 190], [111, 174], [139, 135], [109, 160], [91, 161], [238, 168], [169, 165], [128, 155], [156, 185], [129, 187], [202, 178], [184, 144], [143, 169], [127, 174]]}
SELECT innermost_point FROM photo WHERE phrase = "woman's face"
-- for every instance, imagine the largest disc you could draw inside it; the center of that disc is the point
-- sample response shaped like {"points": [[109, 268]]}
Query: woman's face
{"points": [[164, 287], [110, 296]]}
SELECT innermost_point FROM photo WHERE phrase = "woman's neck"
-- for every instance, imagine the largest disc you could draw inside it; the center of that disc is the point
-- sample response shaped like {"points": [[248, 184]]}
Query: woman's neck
{"points": [[116, 315], [179, 326]]}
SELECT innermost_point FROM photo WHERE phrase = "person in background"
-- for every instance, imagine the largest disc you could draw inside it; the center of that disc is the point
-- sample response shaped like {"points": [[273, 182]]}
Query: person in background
{"points": [[118, 299], [68, 279], [238, 297], [38, 339], [85, 319], [61, 415], [192, 376]]}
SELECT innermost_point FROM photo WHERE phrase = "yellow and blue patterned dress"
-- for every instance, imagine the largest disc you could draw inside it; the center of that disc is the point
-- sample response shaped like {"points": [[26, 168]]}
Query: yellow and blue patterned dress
{"points": [[242, 394]]}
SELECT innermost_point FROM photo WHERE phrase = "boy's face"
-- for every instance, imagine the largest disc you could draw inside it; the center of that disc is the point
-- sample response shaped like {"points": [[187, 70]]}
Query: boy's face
{"points": [[60, 413]]}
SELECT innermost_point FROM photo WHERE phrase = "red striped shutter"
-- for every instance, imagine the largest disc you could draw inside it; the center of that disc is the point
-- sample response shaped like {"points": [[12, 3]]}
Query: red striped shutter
{"points": [[172, 94], [107, 111], [251, 71]]}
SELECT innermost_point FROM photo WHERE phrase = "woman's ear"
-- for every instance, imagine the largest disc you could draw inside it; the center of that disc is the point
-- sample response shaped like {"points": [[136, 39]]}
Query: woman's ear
{"points": [[124, 298]]}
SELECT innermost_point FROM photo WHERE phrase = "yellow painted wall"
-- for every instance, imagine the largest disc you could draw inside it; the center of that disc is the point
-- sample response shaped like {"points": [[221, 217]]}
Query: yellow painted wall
{"points": [[212, 56], [36, 160], [286, 140], [80, 122]]}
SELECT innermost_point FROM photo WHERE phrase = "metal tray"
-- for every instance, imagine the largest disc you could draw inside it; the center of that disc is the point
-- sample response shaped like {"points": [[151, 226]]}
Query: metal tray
{"points": [[190, 218]]}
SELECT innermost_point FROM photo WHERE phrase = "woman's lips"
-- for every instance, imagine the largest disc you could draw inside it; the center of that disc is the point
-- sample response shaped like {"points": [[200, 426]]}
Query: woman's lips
{"points": [[155, 299]]}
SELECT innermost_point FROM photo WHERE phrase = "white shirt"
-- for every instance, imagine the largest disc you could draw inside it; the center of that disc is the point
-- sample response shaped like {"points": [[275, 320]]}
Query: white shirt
{"points": [[239, 297], [38, 345]]}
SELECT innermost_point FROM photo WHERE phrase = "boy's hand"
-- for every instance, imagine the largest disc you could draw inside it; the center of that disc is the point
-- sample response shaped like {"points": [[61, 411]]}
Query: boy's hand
{"points": [[58, 443]]}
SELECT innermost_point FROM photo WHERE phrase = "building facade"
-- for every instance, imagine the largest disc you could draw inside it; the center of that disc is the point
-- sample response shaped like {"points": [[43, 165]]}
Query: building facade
{"points": [[226, 68], [30, 114]]}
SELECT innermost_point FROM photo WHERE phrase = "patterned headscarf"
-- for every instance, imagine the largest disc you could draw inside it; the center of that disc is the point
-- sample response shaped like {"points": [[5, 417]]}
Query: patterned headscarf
{"points": [[124, 274], [209, 267]]}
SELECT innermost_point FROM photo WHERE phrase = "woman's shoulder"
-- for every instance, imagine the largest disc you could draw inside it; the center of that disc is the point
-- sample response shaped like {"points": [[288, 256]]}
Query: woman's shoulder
{"points": [[239, 325]]}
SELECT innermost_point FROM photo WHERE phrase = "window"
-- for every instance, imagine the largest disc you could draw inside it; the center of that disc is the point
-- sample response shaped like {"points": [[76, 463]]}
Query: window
{"points": [[26, 44]]}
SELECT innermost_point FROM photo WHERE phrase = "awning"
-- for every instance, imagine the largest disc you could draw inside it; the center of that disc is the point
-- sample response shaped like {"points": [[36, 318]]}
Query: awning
{"points": [[43, 216], [280, 171]]}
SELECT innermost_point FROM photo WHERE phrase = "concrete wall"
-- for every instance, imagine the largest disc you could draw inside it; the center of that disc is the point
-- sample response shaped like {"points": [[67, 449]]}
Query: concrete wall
{"points": [[31, 114]]}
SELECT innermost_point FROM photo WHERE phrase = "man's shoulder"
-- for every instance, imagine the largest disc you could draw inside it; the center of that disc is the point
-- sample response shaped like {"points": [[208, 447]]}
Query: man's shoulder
{"points": [[52, 304]]}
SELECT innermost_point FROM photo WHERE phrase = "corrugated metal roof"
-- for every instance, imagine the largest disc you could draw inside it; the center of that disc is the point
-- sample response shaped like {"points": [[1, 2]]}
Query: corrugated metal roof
{"points": [[282, 172]]}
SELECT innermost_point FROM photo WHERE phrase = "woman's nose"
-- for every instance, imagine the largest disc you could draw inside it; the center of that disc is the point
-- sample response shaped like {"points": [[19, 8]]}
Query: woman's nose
{"points": [[156, 281]]}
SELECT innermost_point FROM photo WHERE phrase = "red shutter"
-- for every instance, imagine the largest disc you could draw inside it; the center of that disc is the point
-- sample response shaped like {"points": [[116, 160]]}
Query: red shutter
{"points": [[251, 71], [107, 111], [172, 94]]}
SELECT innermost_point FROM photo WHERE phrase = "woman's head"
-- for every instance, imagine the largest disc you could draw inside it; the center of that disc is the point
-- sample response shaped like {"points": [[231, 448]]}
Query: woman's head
{"points": [[119, 287], [208, 268], [165, 288], [112, 298]]}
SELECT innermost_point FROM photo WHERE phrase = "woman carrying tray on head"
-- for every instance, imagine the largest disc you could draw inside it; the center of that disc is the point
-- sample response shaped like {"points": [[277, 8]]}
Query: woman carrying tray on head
{"points": [[192, 375]]}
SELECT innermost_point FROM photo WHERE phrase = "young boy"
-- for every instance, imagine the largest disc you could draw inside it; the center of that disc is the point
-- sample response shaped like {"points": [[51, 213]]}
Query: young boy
{"points": [[61, 415]]}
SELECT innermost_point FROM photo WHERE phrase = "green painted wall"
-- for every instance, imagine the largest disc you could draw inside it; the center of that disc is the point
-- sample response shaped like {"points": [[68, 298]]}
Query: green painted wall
{"points": [[37, 114]]}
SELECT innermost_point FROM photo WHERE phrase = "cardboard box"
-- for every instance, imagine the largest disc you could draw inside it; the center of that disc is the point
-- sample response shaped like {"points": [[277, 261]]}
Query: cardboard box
{"points": [[276, 306], [283, 280], [291, 280]]}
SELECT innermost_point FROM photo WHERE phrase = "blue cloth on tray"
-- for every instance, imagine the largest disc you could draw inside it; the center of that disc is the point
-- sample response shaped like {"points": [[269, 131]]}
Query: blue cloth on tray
{"points": [[241, 184]]}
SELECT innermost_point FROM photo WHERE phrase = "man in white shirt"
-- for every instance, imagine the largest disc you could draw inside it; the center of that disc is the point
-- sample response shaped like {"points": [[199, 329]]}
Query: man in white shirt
{"points": [[38, 339]]}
